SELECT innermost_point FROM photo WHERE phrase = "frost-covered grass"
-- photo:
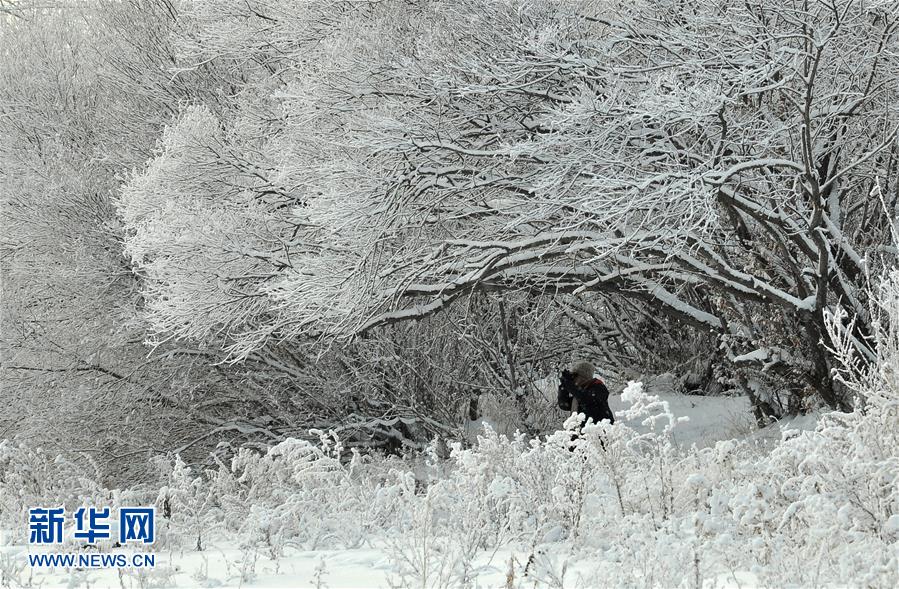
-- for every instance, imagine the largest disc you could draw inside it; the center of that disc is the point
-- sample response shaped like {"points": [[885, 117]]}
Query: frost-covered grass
{"points": [[627, 506]]}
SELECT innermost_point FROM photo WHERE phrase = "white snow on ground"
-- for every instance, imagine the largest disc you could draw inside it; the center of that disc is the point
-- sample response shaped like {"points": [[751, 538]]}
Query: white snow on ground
{"points": [[223, 565], [718, 418], [710, 418], [227, 567]]}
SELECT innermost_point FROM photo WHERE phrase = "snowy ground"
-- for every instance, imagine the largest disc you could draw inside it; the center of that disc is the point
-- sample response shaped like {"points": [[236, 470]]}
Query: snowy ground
{"points": [[222, 564], [230, 568], [710, 418]]}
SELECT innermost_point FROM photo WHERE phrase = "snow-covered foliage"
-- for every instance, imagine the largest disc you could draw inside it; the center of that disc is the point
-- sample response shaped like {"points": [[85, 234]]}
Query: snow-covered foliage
{"points": [[256, 253], [557, 149], [633, 503], [84, 95], [636, 506]]}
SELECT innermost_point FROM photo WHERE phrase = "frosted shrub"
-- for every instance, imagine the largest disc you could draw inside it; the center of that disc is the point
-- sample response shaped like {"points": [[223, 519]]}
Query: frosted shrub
{"points": [[30, 478], [651, 456], [301, 494], [286, 493], [833, 491], [429, 548], [875, 382], [684, 516], [544, 490], [503, 490], [514, 483], [189, 507]]}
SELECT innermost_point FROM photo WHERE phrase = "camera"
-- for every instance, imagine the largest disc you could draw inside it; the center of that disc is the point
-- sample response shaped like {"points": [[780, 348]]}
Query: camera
{"points": [[566, 390]]}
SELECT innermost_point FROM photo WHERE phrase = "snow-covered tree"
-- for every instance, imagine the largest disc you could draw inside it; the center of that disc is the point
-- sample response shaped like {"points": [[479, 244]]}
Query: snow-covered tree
{"points": [[84, 91], [716, 164]]}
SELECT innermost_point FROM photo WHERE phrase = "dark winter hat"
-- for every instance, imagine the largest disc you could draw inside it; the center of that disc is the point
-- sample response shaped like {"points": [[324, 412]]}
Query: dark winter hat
{"points": [[582, 369]]}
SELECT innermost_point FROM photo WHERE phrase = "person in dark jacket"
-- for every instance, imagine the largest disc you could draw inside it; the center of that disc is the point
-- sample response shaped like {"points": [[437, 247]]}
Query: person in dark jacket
{"points": [[581, 392]]}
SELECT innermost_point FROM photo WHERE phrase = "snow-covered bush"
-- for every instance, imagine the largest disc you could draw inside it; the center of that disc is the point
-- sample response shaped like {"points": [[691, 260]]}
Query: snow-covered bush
{"points": [[29, 477], [32, 478], [188, 506], [296, 494]]}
